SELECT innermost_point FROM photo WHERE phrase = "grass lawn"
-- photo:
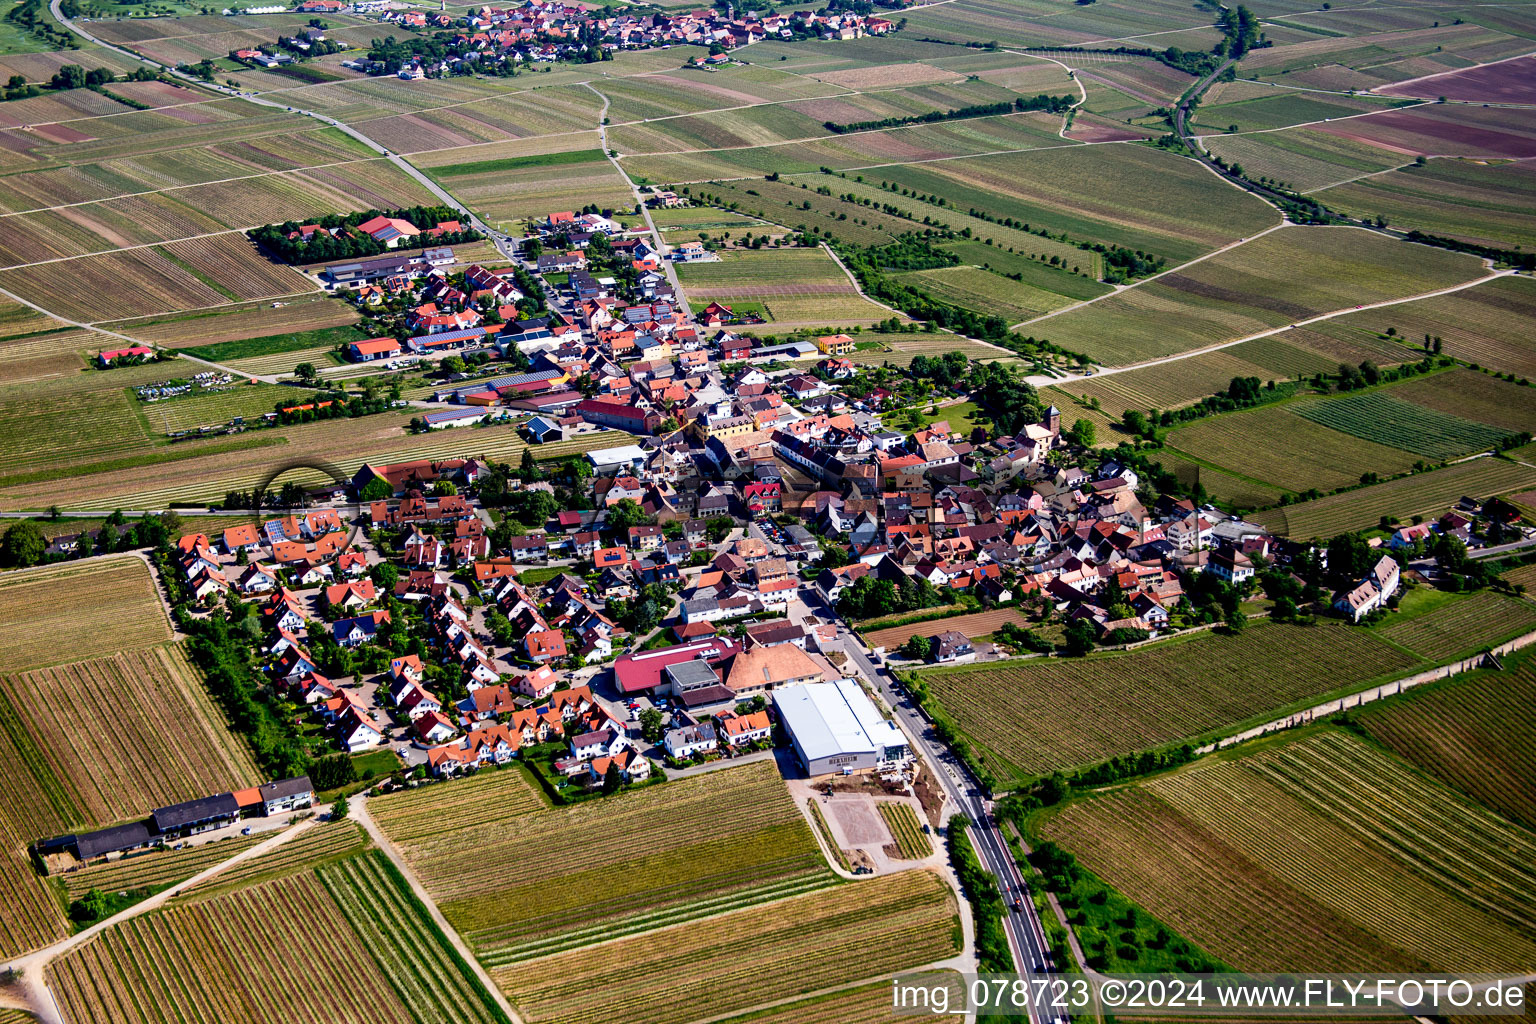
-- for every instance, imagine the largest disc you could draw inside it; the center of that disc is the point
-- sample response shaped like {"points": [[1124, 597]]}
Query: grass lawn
{"points": [[274, 343]]}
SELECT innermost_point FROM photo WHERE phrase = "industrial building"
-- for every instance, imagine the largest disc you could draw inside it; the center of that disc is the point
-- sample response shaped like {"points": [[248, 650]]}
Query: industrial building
{"points": [[835, 728]]}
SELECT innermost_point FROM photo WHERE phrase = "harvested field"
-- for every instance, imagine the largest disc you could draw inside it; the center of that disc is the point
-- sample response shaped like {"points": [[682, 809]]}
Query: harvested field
{"points": [[1470, 732], [157, 868], [1445, 131], [429, 977], [233, 264], [16, 320], [1425, 494], [1033, 717], [171, 964], [129, 733], [182, 275], [1462, 627], [56, 614], [888, 75], [1509, 81], [1244, 856], [979, 624], [1384, 418], [1284, 277], [869, 1004], [1276, 446], [744, 958], [44, 356], [647, 858]]}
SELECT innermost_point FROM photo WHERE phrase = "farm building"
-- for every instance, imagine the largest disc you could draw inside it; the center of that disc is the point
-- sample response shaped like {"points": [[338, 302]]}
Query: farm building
{"points": [[388, 231], [373, 348], [286, 795], [135, 353], [835, 728], [198, 815]]}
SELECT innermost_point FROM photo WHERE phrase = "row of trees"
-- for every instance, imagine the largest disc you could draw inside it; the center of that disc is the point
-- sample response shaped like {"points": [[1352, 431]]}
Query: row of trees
{"points": [[26, 544], [1050, 104]]}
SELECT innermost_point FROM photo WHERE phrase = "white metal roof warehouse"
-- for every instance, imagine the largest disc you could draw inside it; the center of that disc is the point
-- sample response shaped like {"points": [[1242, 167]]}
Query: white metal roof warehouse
{"points": [[835, 728]]}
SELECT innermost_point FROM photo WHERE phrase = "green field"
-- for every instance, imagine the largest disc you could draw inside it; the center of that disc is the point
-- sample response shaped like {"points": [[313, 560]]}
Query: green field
{"points": [[985, 292], [1136, 197], [271, 345], [1429, 495], [516, 163], [1381, 417], [1276, 446], [1476, 201], [1470, 732], [1284, 277], [795, 287], [1318, 849], [1032, 718], [1461, 627], [1034, 272]]}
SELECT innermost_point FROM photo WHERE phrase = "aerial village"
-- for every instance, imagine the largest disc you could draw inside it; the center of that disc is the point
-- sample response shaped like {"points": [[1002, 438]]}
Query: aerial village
{"points": [[548, 32], [654, 605]]}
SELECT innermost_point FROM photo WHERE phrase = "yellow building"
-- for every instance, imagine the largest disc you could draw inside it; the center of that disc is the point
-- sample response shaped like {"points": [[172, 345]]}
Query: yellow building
{"points": [[834, 344]]}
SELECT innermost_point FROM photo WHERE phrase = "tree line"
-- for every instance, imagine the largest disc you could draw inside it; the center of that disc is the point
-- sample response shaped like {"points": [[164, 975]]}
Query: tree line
{"points": [[1051, 104]]}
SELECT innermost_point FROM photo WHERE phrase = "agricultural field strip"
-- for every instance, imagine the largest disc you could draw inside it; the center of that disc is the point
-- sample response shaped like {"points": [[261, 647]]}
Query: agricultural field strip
{"points": [[129, 248], [1308, 124], [195, 184], [1175, 357], [1468, 733]]}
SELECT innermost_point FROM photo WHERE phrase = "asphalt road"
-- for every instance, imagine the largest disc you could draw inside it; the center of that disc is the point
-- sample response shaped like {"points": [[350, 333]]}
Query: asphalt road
{"points": [[1026, 939]]}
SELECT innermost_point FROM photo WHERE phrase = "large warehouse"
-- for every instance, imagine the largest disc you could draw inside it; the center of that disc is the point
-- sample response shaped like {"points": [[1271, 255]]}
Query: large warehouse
{"points": [[835, 728]]}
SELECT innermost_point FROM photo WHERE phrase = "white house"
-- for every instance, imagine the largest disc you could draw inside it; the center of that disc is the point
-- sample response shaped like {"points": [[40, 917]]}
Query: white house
{"points": [[604, 743], [690, 739], [359, 732]]}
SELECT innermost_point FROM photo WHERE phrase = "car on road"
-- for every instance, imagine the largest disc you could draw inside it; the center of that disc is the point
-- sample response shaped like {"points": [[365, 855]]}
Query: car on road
{"points": [[246, 831]]}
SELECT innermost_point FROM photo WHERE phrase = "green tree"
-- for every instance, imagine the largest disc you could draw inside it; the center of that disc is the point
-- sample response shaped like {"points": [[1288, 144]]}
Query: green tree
{"points": [[377, 489], [652, 725], [452, 364], [443, 487], [70, 76], [22, 545], [1085, 433], [612, 780], [1078, 639], [917, 647], [339, 808], [306, 372], [627, 512]]}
